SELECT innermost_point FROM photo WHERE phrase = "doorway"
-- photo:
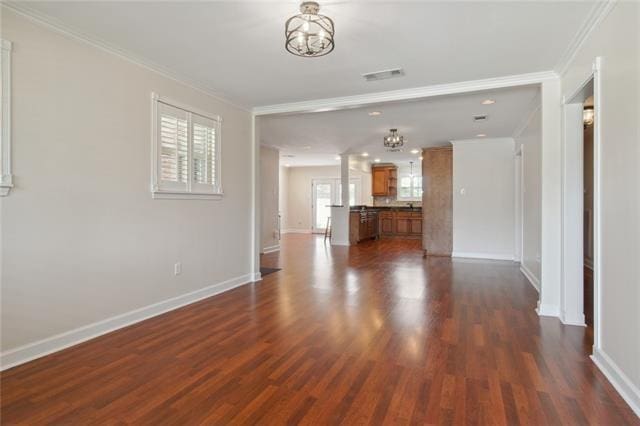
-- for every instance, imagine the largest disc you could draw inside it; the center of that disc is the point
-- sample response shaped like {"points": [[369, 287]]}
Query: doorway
{"points": [[581, 284], [328, 192]]}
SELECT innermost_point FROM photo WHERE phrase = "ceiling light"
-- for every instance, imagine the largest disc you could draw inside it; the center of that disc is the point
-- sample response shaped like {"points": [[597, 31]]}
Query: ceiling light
{"points": [[287, 165], [309, 34], [415, 151], [393, 140], [375, 113], [421, 158], [337, 157], [488, 102], [365, 154], [377, 160], [481, 135]]}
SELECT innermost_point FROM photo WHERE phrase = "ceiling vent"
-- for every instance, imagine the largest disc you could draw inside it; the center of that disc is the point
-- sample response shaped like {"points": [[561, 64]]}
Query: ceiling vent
{"points": [[288, 156], [480, 118], [383, 75]]}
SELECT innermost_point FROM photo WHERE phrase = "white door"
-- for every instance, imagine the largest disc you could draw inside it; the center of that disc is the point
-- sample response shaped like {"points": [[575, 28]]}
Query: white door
{"points": [[324, 194]]}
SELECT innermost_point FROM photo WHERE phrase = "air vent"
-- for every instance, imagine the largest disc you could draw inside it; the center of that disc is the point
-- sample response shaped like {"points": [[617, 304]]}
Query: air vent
{"points": [[288, 155], [479, 118], [383, 75]]}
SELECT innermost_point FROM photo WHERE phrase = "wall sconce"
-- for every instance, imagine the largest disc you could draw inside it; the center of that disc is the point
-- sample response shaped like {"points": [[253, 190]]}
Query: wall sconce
{"points": [[587, 116]]}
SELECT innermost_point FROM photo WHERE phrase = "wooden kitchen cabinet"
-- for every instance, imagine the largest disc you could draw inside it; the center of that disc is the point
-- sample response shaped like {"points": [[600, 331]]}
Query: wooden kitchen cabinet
{"points": [[384, 181], [363, 225], [400, 224]]}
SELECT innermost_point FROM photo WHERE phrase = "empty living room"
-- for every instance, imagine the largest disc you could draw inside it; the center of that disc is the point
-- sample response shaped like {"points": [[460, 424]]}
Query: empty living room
{"points": [[333, 212]]}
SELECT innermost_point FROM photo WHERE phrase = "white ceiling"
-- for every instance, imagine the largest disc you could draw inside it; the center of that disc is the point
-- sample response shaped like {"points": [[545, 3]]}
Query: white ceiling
{"points": [[316, 138], [236, 48]]}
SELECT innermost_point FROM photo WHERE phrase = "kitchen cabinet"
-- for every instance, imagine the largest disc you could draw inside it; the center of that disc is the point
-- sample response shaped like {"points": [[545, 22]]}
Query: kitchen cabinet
{"points": [[437, 201], [400, 224], [363, 225], [384, 181]]}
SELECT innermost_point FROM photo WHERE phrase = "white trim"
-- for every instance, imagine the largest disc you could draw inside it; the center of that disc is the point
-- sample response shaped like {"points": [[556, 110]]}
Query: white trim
{"points": [[52, 344], [598, 13], [296, 231], [50, 23], [6, 178], [271, 249], [548, 310], [329, 104], [489, 256], [340, 243], [179, 195], [535, 282], [255, 277], [577, 321], [623, 384]]}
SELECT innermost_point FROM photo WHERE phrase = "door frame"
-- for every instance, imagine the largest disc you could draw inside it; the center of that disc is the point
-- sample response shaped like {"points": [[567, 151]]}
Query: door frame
{"points": [[572, 311], [335, 183]]}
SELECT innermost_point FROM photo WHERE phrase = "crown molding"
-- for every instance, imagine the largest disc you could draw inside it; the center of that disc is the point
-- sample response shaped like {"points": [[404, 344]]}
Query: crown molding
{"points": [[330, 104], [599, 12], [22, 8]]}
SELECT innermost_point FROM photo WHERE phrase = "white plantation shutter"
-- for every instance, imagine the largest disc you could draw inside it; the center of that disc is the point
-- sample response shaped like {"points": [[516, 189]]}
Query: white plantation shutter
{"points": [[186, 152], [205, 137], [174, 147]]}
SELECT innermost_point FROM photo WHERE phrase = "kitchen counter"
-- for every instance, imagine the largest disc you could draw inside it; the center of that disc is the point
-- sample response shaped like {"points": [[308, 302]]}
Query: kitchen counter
{"points": [[386, 208]]}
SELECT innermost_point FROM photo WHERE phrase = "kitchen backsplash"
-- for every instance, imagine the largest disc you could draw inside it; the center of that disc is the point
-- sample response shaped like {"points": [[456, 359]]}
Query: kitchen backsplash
{"points": [[391, 201]]}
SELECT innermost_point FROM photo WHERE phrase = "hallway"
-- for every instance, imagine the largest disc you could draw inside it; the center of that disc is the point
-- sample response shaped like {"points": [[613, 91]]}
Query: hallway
{"points": [[371, 333]]}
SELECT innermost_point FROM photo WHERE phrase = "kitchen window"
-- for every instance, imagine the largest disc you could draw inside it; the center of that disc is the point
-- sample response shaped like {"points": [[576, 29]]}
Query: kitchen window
{"points": [[186, 152], [410, 187], [6, 179]]}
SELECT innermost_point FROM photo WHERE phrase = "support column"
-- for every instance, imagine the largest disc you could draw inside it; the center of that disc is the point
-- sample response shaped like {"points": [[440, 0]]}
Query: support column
{"points": [[340, 215], [551, 163]]}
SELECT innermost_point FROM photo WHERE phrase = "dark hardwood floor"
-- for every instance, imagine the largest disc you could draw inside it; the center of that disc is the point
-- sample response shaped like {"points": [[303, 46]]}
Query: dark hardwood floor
{"points": [[367, 334]]}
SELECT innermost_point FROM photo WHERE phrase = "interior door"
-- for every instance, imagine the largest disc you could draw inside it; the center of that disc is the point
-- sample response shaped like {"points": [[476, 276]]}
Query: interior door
{"points": [[323, 195]]}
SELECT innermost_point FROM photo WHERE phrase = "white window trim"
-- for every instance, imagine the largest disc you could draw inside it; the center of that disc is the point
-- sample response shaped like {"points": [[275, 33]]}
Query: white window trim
{"points": [[162, 193], [407, 198], [6, 179]]}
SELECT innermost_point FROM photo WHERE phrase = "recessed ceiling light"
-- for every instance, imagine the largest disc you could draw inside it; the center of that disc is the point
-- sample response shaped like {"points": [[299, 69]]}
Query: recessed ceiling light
{"points": [[377, 160], [488, 102], [365, 154], [287, 165], [375, 113], [337, 157], [481, 135], [415, 151], [421, 158]]}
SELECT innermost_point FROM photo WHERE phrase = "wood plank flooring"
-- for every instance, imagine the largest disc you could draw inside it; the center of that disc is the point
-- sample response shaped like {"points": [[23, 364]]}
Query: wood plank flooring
{"points": [[371, 334]]}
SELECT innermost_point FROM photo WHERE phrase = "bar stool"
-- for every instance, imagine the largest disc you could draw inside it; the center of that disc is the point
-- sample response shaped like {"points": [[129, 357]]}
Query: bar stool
{"points": [[327, 230]]}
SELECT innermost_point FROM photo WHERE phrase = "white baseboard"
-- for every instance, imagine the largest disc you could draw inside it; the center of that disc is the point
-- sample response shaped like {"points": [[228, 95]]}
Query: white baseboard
{"points": [[255, 277], [489, 256], [271, 249], [548, 310], [627, 390], [578, 320], [340, 243], [43, 347], [296, 231], [531, 277]]}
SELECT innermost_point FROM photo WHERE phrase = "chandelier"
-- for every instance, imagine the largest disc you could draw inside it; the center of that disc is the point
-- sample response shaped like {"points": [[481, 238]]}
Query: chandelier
{"points": [[393, 140], [309, 34]]}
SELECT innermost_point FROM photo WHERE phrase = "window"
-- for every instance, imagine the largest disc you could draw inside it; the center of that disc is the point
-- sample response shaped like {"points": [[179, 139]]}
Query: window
{"points": [[186, 152], [5, 118], [410, 187]]}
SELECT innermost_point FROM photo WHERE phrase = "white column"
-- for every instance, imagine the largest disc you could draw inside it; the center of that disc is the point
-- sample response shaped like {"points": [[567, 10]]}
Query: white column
{"points": [[551, 243], [340, 215]]}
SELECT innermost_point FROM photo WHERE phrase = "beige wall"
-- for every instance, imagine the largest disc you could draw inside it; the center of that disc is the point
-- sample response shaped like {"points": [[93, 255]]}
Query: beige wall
{"points": [[483, 198], [298, 209], [616, 40], [269, 191], [82, 238], [530, 140]]}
